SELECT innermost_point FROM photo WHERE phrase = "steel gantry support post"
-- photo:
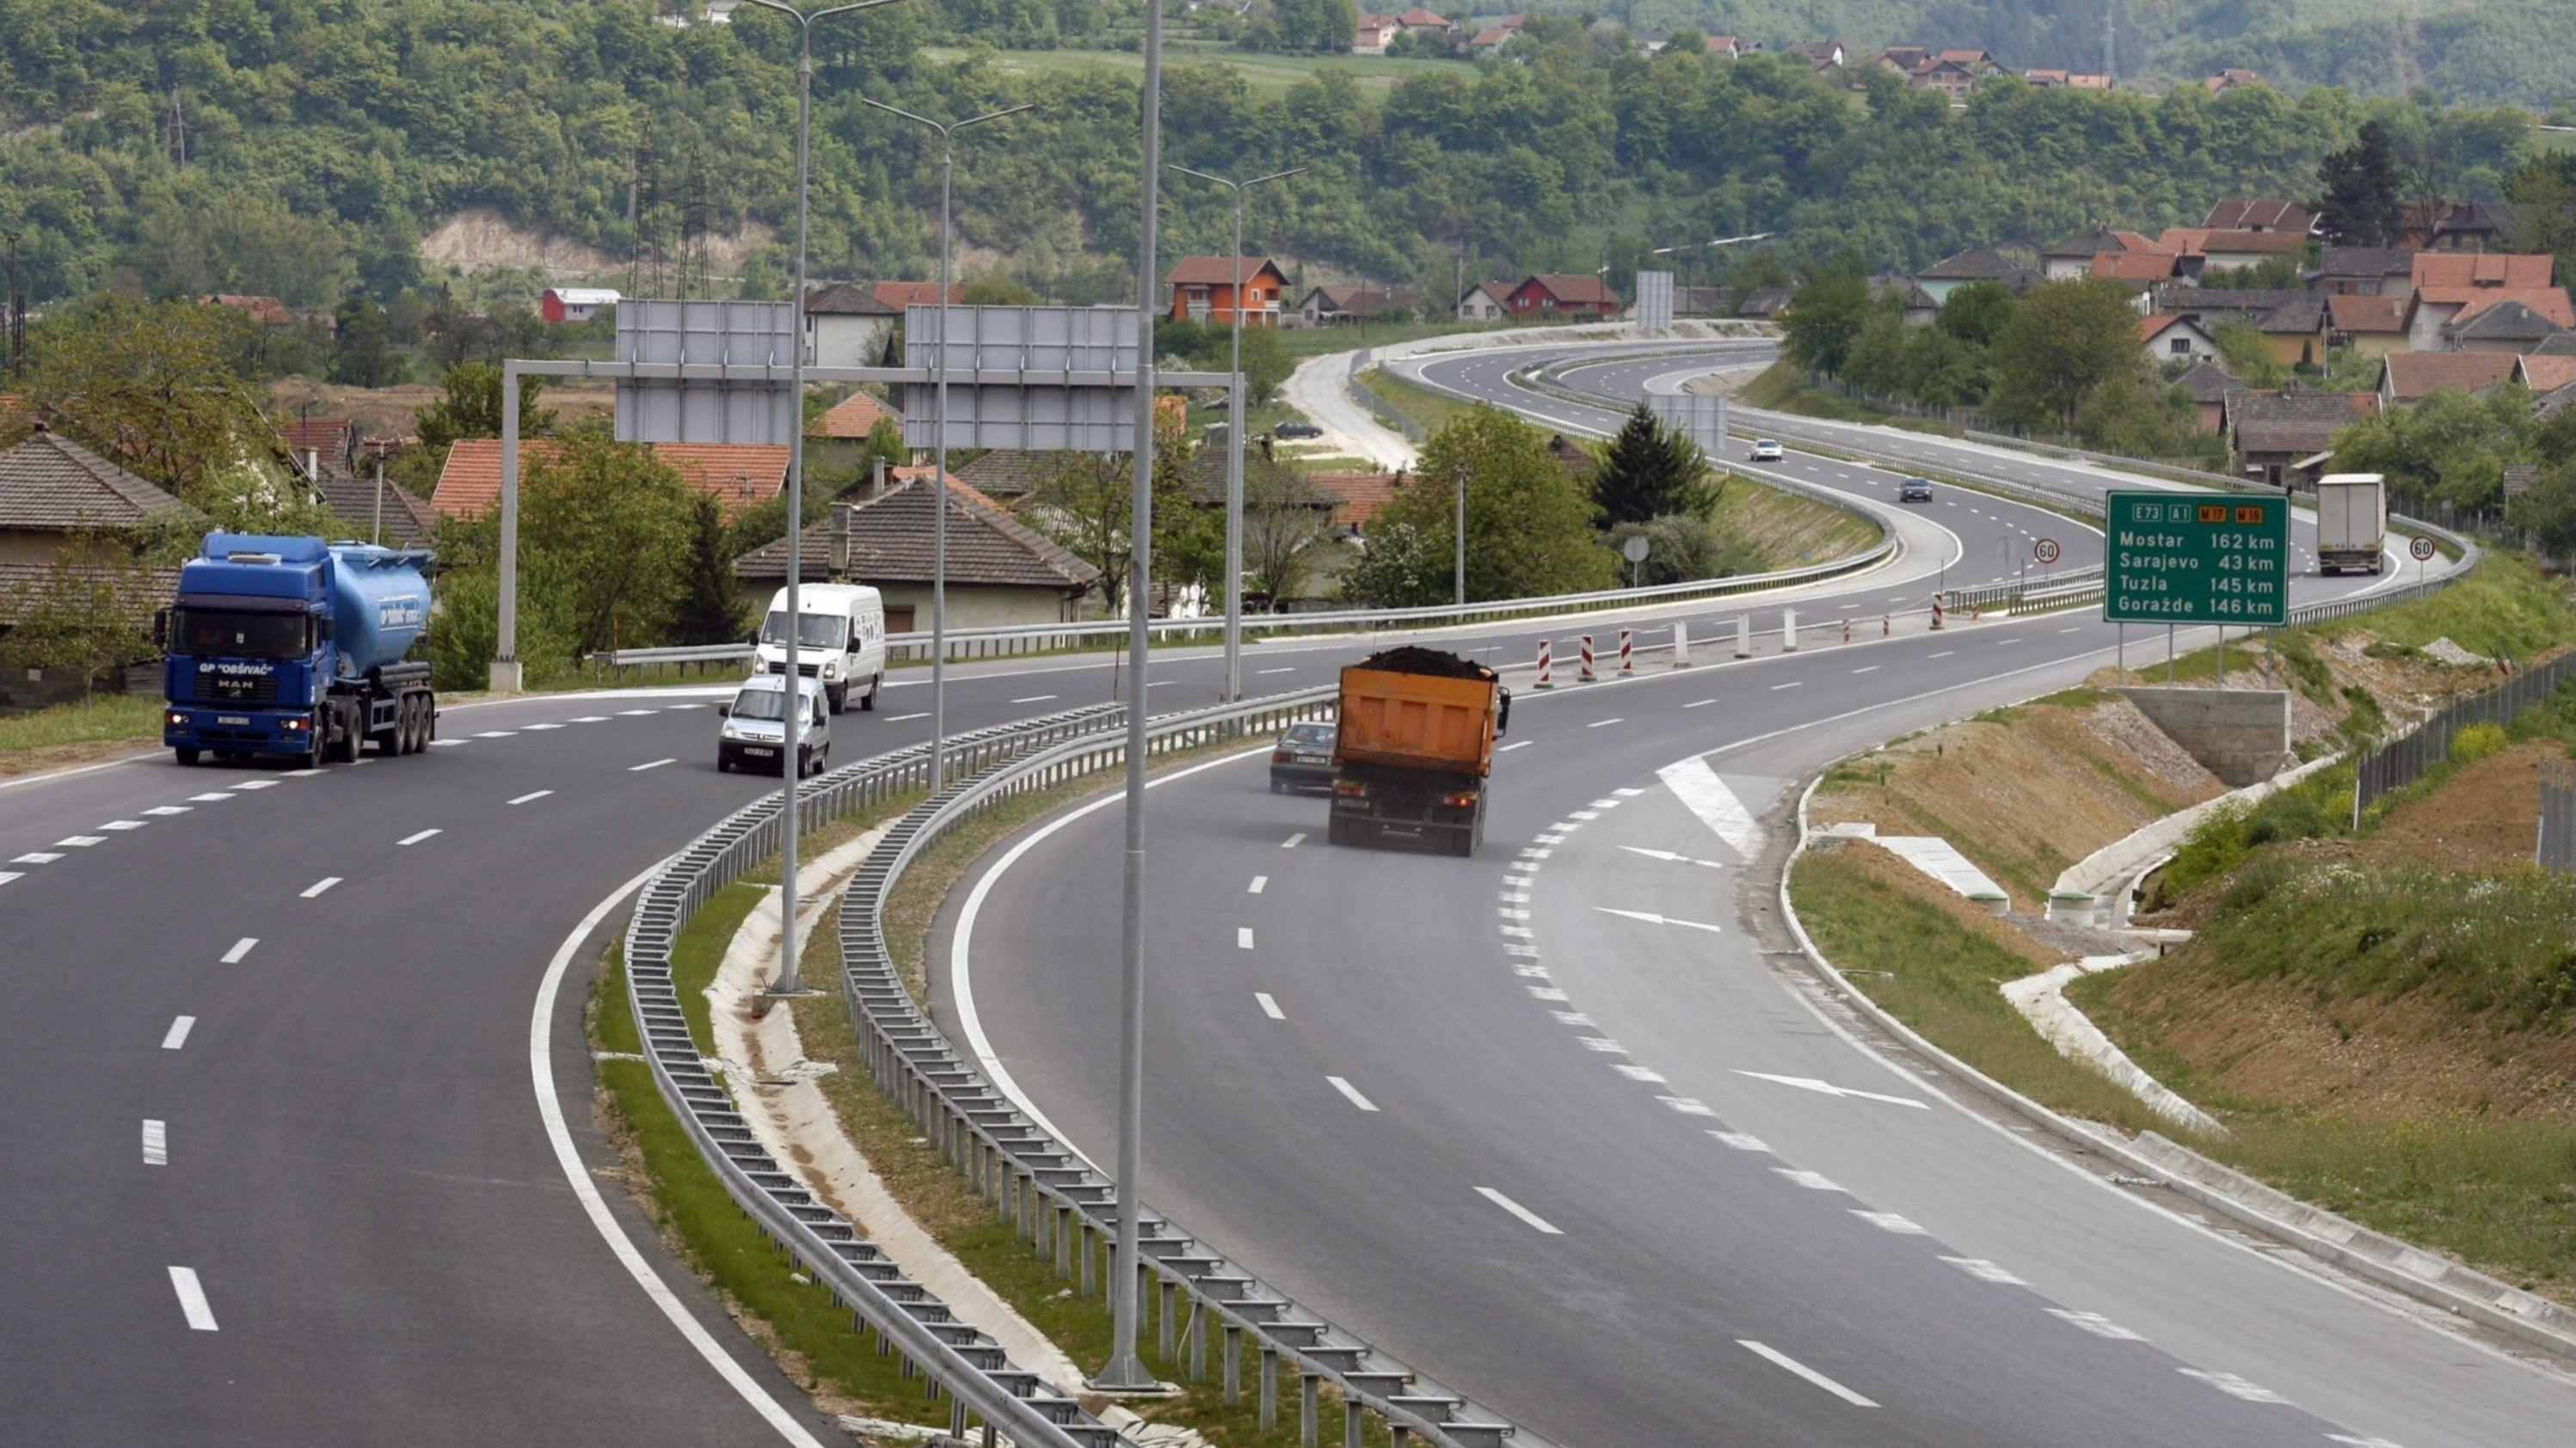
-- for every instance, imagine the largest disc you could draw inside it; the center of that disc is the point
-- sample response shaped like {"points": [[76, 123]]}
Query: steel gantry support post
{"points": [[1234, 442]]}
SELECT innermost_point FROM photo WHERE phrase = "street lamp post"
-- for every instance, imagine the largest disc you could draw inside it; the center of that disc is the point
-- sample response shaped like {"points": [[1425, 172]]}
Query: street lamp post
{"points": [[1234, 442], [790, 979], [939, 430]]}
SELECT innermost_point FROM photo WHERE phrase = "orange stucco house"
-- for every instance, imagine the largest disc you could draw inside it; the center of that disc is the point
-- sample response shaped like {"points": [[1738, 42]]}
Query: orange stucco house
{"points": [[1204, 289]]}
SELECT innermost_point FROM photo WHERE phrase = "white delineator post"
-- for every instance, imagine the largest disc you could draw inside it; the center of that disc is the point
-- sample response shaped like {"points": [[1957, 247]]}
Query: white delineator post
{"points": [[1681, 644], [1744, 636], [1788, 630]]}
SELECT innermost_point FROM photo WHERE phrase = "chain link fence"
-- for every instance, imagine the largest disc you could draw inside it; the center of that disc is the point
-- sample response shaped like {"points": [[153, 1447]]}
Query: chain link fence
{"points": [[2402, 761], [2556, 849]]}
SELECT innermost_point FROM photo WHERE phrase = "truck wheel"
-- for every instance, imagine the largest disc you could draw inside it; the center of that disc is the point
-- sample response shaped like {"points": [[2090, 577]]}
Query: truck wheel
{"points": [[868, 700], [1337, 831], [186, 756]]}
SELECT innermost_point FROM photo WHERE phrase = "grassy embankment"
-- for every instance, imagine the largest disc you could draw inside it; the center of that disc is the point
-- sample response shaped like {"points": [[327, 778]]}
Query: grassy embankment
{"points": [[795, 1320], [2385, 1023]]}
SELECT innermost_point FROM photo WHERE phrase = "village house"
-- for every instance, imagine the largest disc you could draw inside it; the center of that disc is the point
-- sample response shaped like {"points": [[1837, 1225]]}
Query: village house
{"points": [[1976, 265], [846, 326], [2365, 271], [1342, 306], [2073, 257], [2408, 378], [1485, 302], [2171, 339], [1000, 571], [2284, 437], [1549, 294], [52, 488], [570, 305], [1206, 289], [2207, 385], [2454, 287], [2373, 326]]}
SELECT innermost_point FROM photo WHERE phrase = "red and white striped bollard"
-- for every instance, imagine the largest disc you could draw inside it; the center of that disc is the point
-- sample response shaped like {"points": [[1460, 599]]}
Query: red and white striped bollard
{"points": [[1627, 651], [1546, 663], [1588, 675]]}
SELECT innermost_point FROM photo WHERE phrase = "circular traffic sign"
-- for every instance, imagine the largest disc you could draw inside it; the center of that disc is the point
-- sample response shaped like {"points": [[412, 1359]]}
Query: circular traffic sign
{"points": [[2422, 548], [2045, 550], [1635, 549]]}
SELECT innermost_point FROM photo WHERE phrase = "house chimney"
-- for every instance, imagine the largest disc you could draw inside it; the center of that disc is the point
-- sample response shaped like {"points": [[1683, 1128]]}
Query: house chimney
{"points": [[313, 465], [876, 487], [842, 514]]}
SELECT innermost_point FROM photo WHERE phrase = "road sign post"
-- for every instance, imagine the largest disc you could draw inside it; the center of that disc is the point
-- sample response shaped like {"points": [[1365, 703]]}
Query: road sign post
{"points": [[2197, 558], [2421, 550]]}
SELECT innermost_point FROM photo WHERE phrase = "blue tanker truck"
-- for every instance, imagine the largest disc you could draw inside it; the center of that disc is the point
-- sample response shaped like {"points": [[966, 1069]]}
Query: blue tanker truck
{"points": [[297, 647]]}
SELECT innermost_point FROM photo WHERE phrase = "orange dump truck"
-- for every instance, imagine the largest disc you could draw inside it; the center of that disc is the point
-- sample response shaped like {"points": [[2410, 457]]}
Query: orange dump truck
{"points": [[1414, 746]]}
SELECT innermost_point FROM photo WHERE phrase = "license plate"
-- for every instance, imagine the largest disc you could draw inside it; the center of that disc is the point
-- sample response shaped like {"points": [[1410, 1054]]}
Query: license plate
{"points": [[762, 753], [232, 719]]}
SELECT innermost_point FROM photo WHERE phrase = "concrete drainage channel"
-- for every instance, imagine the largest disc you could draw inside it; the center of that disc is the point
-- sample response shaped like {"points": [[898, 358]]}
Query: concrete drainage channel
{"points": [[1058, 1205]]}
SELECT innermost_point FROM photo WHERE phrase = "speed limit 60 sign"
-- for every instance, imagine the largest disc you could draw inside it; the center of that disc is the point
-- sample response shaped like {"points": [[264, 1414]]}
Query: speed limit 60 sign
{"points": [[2045, 550], [2421, 549]]}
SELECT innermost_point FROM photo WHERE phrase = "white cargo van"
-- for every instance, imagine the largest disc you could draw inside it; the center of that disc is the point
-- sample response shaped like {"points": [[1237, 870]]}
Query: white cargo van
{"points": [[2352, 522], [840, 640]]}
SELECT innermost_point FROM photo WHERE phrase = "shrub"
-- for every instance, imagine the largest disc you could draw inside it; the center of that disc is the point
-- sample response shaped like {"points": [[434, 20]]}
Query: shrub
{"points": [[2478, 741]]}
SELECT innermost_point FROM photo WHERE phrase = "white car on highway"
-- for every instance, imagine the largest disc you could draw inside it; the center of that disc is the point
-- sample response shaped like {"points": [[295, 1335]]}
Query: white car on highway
{"points": [[1766, 450], [754, 735]]}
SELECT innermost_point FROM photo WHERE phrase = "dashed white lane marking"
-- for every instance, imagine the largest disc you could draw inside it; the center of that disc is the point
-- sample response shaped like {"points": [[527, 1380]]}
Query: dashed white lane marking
{"points": [[496, 733], [1573, 1018], [1604, 723], [1811, 1180], [1792, 684], [1781, 1359], [1634, 1072], [1289, 670], [1697, 786], [1269, 1007], [536, 728], [1688, 1105], [1872, 669], [2077, 629], [1699, 703], [534, 794], [156, 1142], [192, 1299], [1890, 1221], [258, 783], [1259, 884], [590, 719], [2351, 1442], [1515, 744], [449, 743], [241, 950], [1985, 1271], [318, 886], [675, 708], [167, 809], [1034, 699], [653, 764], [2234, 1386], [121, 826], [1741, 1141], [35, 857], [1352, 1093], [636, 713], [1809, 1083], [210, 797], [1517, 1210], [1293, 841], [177, 1036], [416, 838], [1945, 653], [1243, 937], [1651, 918], [908, 718], [2100, 1326]]}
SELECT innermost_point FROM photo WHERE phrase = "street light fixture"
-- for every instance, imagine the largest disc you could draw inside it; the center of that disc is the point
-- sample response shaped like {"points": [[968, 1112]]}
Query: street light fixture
{"points": [[939, 428], [1234, 441], [790, 980]]}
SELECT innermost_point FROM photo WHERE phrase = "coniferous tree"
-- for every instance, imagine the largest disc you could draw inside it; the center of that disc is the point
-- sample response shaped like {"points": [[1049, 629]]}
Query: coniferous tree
{"points": [[1649, 471], [2360, 202], [710, 610]]}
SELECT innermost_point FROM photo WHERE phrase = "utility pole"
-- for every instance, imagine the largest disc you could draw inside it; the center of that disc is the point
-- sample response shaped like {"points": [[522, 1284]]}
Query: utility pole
{"points": [[789, 980], [2110, 37], [17, 316], [378, 536], [939, 429], [1125, 1371], [1234, 441]]}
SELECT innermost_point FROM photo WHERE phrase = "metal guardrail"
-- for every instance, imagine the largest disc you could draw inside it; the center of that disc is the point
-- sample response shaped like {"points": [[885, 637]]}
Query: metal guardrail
{"points": [[1057, 1203], [1386, 411], [2556, 847], [1994, 595], [952, 1356], [2403, 760]]}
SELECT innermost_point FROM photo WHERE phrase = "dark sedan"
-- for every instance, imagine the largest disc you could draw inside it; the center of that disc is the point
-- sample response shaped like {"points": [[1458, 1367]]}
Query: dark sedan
{"points": [[1302, 759]]}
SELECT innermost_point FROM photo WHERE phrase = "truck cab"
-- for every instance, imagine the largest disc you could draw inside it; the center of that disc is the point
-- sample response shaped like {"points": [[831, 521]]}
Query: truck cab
{"points": [[296, 648], [840, 640]]}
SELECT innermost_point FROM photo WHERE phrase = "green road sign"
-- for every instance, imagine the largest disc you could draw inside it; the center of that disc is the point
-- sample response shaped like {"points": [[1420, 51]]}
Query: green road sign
{"points": [[2197, 558]]}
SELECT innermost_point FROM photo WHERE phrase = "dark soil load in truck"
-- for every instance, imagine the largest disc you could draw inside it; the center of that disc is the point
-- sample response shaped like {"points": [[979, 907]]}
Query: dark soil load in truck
{"points": [[1414, 747]]}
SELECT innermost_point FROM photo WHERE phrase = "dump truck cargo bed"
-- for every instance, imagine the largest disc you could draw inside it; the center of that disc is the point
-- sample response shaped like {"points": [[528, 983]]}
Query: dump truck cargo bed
{"points": [[1414, 746]]}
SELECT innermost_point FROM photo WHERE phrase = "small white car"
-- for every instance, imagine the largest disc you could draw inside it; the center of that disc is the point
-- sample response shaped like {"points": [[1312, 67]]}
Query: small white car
{"points": [[1766, 450], [840, 640], [754, 735]]}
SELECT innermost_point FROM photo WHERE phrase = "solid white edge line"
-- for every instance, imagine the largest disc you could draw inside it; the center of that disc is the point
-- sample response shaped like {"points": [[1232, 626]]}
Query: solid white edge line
{"points": [[1351, 1094], [1517, 1210], [1778, 1358], [567, 1156], [192, 1299]]}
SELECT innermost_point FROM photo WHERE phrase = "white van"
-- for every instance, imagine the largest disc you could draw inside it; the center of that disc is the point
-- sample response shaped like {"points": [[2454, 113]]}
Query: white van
{"points": [[841, 640], [754, 735]]}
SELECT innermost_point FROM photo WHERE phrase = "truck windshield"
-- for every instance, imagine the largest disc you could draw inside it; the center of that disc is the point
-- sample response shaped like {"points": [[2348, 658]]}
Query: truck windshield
{"points": [[235, 634], [817, 631], [770, 704]]}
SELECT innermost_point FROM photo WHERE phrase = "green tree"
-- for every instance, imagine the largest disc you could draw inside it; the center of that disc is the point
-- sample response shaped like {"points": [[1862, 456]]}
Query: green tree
{"points": [[1284, 517], [2543, 193], [149, 386], [2359, 190], [2247, 355], [615, 524], [1648, 471], [2135, 414], [77, 616], [193, 241], [1401, 565], [1530, 527], [1827, 315], [710, 607], [1977, 313], [1683, 548], [2064, 340], [2451, 447], [993, 289], [363, 353], [470, 406]]}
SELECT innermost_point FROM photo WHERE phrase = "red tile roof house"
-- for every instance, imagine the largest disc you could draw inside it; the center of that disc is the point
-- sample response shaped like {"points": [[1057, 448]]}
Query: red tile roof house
{"points": [[2168, 338], [2406, 378], [1000, 571], [736, 475], [1553, 295], [267, 311], [2447, 285], [2296, 217], [1204, 290]]}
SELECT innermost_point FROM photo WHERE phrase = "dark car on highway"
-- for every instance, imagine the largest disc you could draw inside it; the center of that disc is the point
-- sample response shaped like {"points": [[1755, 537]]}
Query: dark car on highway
{"points": [[1914, 490], [1302, 759]]}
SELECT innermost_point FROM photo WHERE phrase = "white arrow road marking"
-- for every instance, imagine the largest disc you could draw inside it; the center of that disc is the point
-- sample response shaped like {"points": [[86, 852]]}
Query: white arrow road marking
{"points": [[1985, 1271], [1810, 1083], [192, 1299], [1671, 858], [318, 886], [1697, 786], [1890, 1221], [2234, 1386], [1517, 1210], [1778, 1358], [241, 949], [1352, 1093], [1269, 1007], [1652, 918], [156, 1142], [2100, 1326]]}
